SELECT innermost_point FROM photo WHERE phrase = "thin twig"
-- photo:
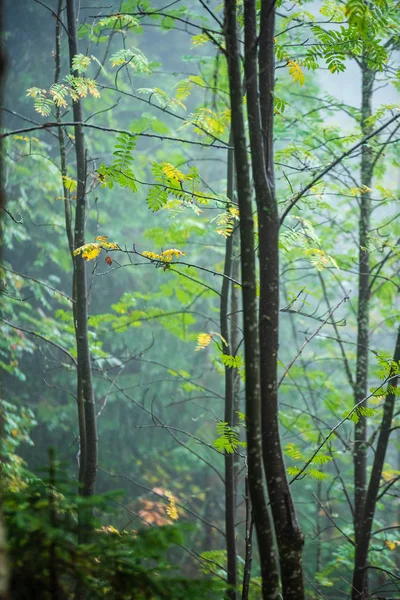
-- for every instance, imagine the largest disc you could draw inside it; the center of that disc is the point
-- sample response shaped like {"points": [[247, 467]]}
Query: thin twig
{"points": [[51, 124], [42, 337]]}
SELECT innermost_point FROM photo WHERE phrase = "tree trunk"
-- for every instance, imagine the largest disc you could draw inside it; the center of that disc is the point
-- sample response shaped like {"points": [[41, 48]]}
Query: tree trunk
{"points": [[361, 384], [250, 325], [288, 534], [85, 386], [69, 231], [364, 536], [230, 532], [360, 453]]}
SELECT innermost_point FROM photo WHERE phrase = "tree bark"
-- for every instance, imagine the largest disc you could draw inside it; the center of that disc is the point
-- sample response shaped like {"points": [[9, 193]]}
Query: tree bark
{"points": [[288, 534], [360, 453], [69, 231], [85, 386], [364, 536], [361, 383], [230, 532], [250, 325], [248, 558]]}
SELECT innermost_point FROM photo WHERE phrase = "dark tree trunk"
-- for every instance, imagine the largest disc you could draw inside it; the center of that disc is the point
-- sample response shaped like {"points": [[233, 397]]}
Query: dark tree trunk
{"points": [[235, 339], [360, 453], [250, 324], [248, 558], [260, 102], [364, 536], [361, 384], [230, 532], [85, 386], [69, 231]]}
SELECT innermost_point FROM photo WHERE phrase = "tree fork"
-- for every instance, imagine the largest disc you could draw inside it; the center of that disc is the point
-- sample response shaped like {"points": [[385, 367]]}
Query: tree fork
{"points": [[251, 341], [288, 533]]}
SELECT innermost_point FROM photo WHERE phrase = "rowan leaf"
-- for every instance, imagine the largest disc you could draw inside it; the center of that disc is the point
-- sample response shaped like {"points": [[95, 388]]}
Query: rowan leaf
{"points": [[172, 172], [296, 72], [92, 250], [203, 340]]}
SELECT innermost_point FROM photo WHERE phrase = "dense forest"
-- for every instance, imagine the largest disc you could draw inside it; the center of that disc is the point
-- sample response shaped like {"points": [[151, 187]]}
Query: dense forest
{"points": [[200, 340]]}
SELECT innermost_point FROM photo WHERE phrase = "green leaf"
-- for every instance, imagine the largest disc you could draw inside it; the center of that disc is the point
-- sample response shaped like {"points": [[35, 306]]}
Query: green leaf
{"points": [[228, 439], [156, 198], [233, 362]]}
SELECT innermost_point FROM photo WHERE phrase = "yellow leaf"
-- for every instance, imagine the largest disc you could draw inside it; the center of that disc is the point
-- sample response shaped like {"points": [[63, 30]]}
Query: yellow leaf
{"points": [[34, 92], [390, 544], [172, 172], [21, 137], [168, 255], [203, 340], [109, 529], [90, 251], [151, 255], [14, 432], [296, 72], [165, 256], [109, 246], [200, 39], [171, 509]]}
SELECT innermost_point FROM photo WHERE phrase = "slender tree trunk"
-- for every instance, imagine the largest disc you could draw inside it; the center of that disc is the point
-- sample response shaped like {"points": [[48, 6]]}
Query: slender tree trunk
{"points": [[288, 534], [364, 536], [361, 384], [230, 532], [85, 385], [250, 325], [248, 558], [235, 336], [69, 231], [318, 528], [360, 453]]}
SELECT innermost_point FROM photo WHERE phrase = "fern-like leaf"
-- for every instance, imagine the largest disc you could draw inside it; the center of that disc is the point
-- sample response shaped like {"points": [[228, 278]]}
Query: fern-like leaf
{"points": [[296, 72], [156, 198]]}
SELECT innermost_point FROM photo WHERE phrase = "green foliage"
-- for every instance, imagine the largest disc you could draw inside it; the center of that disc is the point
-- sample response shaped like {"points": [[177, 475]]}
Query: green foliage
{"points": [[75, 87], [233, 362], [157, 198], [305, 236], [228, 440], [120, 171], [361, 411], [45, 556], [118, 21], [132, 57], [185, 86], [162, 98], [294, 452], [16, 427], [151, 388], [81, 63]]}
